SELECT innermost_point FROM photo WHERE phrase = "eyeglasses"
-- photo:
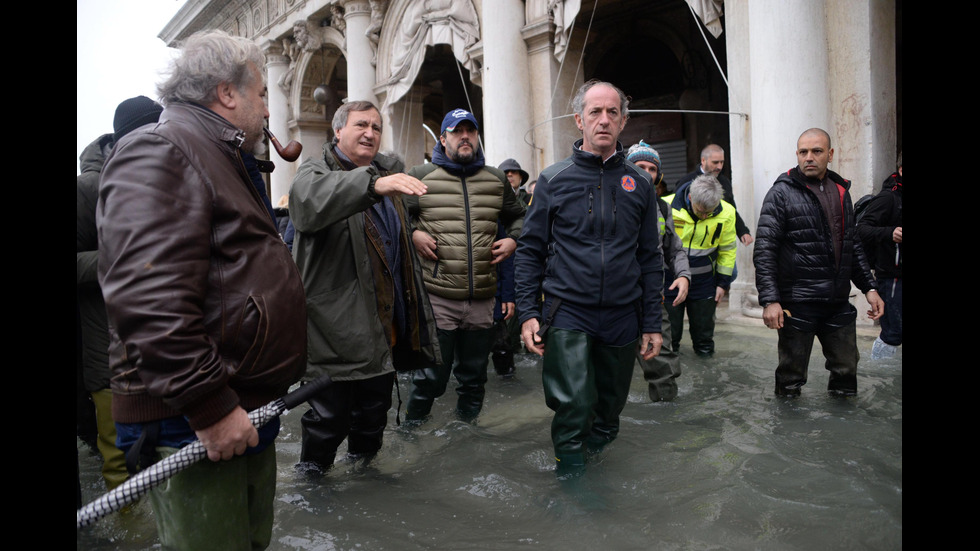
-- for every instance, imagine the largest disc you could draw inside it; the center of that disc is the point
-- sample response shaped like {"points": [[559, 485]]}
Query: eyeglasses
{"points": [[702, 214]]}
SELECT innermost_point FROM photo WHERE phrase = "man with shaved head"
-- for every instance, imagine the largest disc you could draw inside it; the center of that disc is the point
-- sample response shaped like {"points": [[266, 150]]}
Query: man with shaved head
{"points": [[806, 255]]}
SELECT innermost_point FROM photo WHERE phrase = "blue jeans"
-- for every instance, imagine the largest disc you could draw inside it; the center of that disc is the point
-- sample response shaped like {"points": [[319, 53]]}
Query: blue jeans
{"points": [[891, 321]]}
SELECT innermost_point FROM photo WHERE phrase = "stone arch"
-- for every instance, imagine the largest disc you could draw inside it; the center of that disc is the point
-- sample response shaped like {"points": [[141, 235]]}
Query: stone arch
{"points": [[411, 26], [628, 57], [315, 68]]}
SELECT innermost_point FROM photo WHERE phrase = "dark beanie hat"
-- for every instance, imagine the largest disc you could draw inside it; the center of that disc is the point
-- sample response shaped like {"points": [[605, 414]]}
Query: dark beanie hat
{"points": [[643, 152], [134, 113]]}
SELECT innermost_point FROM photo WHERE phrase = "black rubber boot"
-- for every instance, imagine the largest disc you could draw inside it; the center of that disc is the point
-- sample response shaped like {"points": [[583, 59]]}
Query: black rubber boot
{"points": [[369, 415], [569, 465], [430, 382], [675, 314], [502, 353], [794, 358], [661, 371], [324, 427], [701, 321], [569, 390], [613, 367], [840, 350], [473, 354]]}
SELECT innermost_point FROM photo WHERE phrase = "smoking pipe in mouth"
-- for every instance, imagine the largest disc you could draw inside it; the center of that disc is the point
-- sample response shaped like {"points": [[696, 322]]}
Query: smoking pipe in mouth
{"points": [[290, 152]]}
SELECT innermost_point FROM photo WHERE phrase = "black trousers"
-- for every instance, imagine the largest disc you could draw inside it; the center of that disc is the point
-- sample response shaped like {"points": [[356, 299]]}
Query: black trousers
{"points": [[701, 319], [834, 325], [465, 354], [355, 410]]}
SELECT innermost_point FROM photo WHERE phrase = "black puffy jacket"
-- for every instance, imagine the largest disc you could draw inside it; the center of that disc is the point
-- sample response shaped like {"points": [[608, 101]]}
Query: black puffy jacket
{"points": [[879, 221], [794, 256]]}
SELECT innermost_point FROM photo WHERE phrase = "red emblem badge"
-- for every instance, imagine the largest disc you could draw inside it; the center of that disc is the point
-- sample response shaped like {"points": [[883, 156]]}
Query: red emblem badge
{"points": [[628, 183]]}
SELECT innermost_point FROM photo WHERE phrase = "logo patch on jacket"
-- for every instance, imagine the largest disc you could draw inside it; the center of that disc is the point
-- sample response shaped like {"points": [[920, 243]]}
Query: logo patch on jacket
{"points": [[628, 183]]}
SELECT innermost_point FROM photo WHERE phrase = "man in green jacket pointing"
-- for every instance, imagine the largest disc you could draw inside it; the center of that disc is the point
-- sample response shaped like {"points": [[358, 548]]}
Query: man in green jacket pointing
{"points": [[368, 311]]}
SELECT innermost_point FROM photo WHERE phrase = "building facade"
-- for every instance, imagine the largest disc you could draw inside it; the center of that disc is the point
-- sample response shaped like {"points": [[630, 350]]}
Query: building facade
{"points": [[747, 75]]}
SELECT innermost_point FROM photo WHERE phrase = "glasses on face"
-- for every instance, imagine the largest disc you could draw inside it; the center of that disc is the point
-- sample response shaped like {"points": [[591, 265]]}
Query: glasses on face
{"points": [[702, 214]]}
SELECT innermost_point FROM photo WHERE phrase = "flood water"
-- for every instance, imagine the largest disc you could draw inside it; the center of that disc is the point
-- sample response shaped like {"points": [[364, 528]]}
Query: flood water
{"points": [[728, 465]]}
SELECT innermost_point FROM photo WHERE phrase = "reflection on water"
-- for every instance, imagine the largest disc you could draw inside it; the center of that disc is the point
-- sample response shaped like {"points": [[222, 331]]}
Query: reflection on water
{"points": [[728, 465]]}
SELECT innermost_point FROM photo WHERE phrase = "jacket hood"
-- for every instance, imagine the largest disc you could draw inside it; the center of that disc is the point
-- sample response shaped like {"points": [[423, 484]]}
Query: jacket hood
{"points": [[95, 153], [511, 164], [893, 182], [794, 177], [439, 158], [219, 129]]}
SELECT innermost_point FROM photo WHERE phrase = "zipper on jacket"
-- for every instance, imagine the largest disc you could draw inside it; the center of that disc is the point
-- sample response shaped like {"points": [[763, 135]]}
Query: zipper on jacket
{"points": [[602, 244], [591, 217], [469, 236], [614, 212], [828, 235]]}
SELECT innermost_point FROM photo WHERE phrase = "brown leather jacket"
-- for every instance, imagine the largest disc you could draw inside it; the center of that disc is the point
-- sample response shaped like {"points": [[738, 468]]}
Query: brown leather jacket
{"points": [[206, 306]]}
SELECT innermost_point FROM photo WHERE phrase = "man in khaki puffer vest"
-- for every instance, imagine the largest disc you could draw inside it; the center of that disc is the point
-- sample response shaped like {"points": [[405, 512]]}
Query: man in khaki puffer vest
{"points": [[455, 233]]}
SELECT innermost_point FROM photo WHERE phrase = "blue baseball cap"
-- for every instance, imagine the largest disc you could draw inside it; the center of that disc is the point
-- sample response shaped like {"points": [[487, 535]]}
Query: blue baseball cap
{"points": [[455, 117]]}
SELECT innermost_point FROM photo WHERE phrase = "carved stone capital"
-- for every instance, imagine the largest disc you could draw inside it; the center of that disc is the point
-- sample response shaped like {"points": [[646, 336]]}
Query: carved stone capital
{"points": [[355, 7]]}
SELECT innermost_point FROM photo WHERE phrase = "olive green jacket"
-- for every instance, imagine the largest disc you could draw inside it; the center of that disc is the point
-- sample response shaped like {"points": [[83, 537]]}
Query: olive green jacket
{"points": [[461, 214], [349, 325]]}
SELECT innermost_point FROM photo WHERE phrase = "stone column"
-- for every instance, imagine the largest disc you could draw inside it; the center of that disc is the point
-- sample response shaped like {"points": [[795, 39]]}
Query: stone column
{"points": [[743, 298], [506, 86], [862, 91], [788, 93], [783, 96], [552, 88], [861, 44], [276, 64], [360, 71]]}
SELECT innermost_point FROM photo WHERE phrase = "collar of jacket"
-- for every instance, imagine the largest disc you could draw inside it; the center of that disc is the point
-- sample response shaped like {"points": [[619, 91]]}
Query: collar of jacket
{"points": [[382, 162], [219, 128], [440, 159], [580, 156], [795, 177], [682, 201]]}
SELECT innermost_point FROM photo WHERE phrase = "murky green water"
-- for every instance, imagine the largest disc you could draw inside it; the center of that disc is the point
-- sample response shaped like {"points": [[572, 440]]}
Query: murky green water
{"points": [[728, 465]]}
